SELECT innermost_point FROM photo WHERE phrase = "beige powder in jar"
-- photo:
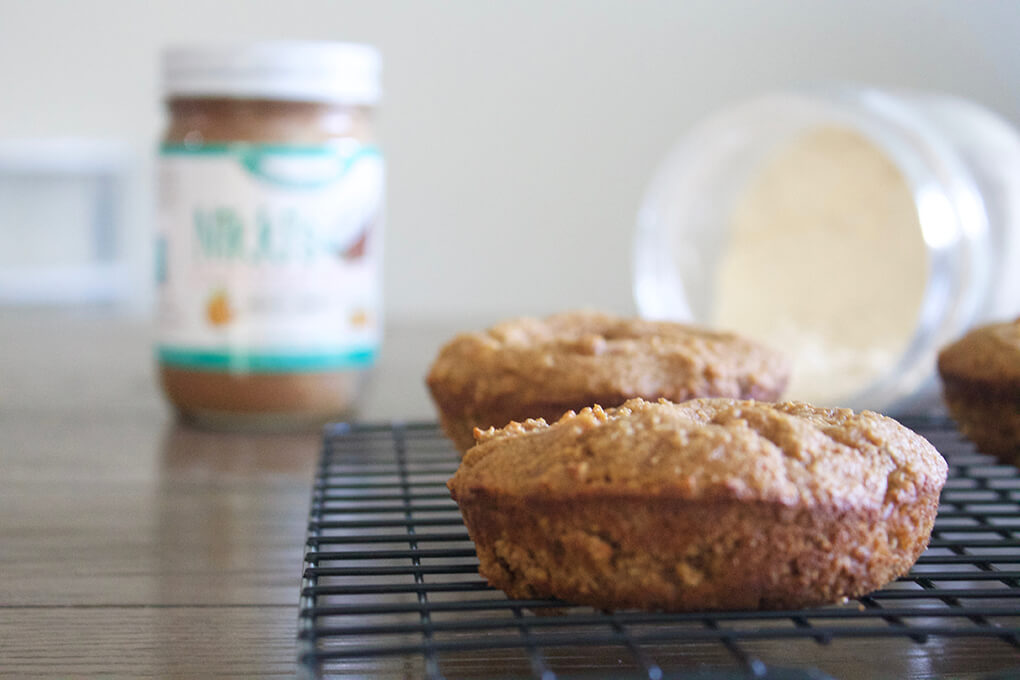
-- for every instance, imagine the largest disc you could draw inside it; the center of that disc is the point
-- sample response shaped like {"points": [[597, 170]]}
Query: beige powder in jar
{"points": [[825, 260]]}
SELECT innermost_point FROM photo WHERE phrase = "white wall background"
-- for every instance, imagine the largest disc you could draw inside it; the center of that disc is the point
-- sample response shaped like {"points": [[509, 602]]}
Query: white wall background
{"points": [[519, 134]]}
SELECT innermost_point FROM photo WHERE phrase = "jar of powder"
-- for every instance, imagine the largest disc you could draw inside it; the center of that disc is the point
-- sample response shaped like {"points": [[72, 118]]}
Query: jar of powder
{"points": [[857, 229]]}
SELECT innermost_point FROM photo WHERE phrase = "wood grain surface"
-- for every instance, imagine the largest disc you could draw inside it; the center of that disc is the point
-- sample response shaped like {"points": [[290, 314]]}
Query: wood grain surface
{"points": [[132, 546]]}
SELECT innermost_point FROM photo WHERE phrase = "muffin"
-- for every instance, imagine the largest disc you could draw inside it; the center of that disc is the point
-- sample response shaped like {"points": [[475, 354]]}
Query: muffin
{"points": [[542, 368], [712, 504], [981, 384]]}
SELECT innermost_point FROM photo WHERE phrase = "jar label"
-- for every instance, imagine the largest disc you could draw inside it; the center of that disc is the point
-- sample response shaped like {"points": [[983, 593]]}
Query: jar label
{"points": [[267, 256]]}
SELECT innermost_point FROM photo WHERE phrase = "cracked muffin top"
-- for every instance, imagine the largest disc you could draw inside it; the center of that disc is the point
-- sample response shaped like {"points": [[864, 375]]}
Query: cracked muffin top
{"points": [[566, 357], [793, 454]]}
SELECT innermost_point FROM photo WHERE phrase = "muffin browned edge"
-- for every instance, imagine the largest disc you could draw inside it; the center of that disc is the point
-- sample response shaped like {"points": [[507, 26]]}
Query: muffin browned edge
{"points": [[627, 551], [460, 414], [986, 410], [988, 418], [632, 550]]}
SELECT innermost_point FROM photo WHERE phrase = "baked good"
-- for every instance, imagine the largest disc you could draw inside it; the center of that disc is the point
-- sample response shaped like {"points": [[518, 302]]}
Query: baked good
{"points": [[981, 385], [542, 368], [708, 504]]}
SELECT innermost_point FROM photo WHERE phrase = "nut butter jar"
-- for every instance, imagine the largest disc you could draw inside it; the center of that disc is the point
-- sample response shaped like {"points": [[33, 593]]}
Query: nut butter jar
{"points": [[269, 235]]}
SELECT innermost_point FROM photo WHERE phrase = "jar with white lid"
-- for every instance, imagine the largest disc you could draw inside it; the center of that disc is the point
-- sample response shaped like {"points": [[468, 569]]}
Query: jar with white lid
{"points": [[269, 237], [857, 229]]}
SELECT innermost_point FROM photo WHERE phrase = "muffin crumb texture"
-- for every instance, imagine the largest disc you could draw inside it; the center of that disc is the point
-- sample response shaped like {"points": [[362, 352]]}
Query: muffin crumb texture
{"points": [[542, 368], [981, 385], [706, 505]]}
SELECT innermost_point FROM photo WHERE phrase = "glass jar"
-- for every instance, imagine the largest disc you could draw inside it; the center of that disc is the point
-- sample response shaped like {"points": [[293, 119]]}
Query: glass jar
{"points": [[857, 229], [269, 238]]}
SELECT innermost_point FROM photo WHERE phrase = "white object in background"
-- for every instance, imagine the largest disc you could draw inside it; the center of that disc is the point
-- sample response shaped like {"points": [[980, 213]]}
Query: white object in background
{"points": [[61, 207]]}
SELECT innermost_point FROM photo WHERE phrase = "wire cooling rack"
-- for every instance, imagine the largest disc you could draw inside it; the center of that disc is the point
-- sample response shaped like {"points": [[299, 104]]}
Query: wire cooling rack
{"points": [[391, 590]]}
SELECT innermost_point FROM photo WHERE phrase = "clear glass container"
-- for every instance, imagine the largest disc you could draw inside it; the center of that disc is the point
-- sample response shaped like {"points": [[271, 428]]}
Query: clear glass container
{"points": [[859, 230]]}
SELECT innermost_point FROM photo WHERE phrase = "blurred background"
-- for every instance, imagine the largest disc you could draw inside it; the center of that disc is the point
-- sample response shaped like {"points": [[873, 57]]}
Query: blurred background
{"points": [[519, 135]]}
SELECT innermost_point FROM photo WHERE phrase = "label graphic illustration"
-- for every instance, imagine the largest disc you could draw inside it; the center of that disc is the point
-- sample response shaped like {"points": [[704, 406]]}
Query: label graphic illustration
{"points": [[268, 256]]}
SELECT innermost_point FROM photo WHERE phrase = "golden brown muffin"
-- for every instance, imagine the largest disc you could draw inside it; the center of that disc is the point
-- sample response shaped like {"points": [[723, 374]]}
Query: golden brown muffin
{"points": [[981, 385], [542, 368], [709, 504]]}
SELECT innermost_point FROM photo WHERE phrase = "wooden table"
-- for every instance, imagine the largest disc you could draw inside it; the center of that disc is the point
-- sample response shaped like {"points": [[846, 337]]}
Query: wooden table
{"points": [[131, 546]]}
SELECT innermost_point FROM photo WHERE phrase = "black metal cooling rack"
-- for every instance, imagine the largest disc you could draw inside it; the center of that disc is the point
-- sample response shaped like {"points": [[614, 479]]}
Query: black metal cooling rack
{"points": [[391, 590]]}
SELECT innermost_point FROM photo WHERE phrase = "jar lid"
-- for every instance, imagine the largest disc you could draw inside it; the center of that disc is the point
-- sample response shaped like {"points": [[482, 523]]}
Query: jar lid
{"points": [[315, 71]]}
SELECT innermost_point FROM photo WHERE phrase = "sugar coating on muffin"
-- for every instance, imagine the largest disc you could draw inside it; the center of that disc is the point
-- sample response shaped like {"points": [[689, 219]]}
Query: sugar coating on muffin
{"points": [[709, 504], [542, 368]]}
